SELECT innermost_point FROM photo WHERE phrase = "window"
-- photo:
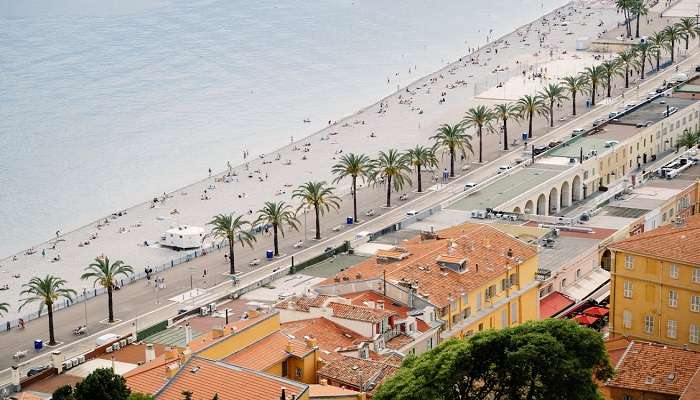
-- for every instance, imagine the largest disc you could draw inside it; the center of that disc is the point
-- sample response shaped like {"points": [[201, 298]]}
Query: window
{"points": [[563, 283], [648, 324], [696, 275], [467, 312], [694, 334], [478, 302], [628, 262], [430, 343], [284, 368], [505, 283], [514, 312], [672, 329], [578, 273], [695, 303], [298, 372], [672, 298], [465, 299], [627, 290], [627, 319], [673, 271], [490, 292], [504, 317], [513, 279], [627, 398]]}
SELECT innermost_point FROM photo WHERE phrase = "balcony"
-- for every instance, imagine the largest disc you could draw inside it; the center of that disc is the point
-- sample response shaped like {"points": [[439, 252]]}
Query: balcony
{"points": [[543, 274]]}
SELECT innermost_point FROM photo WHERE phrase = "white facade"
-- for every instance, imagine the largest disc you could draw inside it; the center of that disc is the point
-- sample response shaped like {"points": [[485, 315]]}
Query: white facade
{"points": [[183, 237]]}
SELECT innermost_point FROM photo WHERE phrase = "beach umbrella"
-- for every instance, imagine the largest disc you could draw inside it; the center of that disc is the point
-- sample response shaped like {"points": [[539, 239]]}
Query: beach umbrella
{"points": [[585, 319], [596, 311]]}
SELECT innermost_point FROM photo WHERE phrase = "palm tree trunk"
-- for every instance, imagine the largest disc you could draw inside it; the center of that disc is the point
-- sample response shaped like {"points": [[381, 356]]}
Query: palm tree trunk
{"points": [[52, 338], [420, 181], [110, 303], [232, 268], [658, 61], [609, 86], [318, 223], [627, 77], [480, 145], [593, 96], [673, 51], [505, 134], [686, 44], [573, 102], [637, 33], [551, 114], [643, 67], [529, 129], [452, 163], [354, 198], [388, 191], [274, 240]]}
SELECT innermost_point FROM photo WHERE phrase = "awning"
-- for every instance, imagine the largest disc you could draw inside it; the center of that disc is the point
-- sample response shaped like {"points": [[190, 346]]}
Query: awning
{"points": [[585, 319], [596, 311], [553, 304], [587, 285]]}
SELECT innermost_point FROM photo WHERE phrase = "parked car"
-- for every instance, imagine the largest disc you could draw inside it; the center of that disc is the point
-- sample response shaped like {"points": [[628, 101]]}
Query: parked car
{"points": [[577, 132], [537, 150], [469, 185], [504, 168], [37, 370]]}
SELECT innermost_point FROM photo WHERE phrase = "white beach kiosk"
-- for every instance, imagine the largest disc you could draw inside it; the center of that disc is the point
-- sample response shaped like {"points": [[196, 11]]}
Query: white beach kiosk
{"points": [[184, 237]]}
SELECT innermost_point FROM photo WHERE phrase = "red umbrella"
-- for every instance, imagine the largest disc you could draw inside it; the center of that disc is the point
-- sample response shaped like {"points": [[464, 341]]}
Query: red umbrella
{"points": [[597, 311], [585, 319]]}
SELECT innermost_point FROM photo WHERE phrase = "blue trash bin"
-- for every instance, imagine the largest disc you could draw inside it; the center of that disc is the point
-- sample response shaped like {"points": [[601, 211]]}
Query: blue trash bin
{"points": [[38, 344], [348, 220], [524, 135], [270, 254]]}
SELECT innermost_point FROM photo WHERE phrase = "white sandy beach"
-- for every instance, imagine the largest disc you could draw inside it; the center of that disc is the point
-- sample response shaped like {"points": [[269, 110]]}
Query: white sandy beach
{"points": [[402, 120]]}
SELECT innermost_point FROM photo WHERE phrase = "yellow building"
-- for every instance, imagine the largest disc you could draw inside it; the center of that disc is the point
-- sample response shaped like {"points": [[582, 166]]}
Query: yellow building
{"points": [[655, 288]]}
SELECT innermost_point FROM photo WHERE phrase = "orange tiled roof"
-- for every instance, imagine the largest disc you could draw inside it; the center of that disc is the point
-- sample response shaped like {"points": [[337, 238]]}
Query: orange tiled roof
{"points": [[391, 358], [361, 299], [205, 378], [329, 336], [149, 377], [302, 303], [655, 368], [349, 370], [204, 341], [481, 245], [333, 392], [669, 242], [398, 342], [268, 351], [692, 391], [359, 313]]}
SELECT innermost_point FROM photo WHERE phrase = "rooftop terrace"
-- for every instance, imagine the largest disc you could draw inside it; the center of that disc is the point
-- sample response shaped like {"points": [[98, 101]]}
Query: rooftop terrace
{"points": [[653, 111]]}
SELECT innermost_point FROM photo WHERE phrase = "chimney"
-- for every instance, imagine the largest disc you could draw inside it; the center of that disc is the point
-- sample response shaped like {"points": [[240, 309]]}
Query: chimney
{"points": [[313, 342], [510, 253], [57, 360], [380, 304], [476, 266], [15, 376], [289, 347], [188, 333], [171, 369], [283, 396], [217, 332], [150, 353], [170, 353]]}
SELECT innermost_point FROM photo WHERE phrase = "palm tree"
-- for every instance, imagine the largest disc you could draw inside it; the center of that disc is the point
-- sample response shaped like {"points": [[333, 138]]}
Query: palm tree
{"points": [[625, 6], [454, 139], [643, 51], [688, 139], [609, 69], [627, 59], [658, 42], [46, 291], [228, 227], [574, 84], [277, 214], [672, 33], [479, 117], [105, 273], [320, 197], [4, 308], [503, 112], [391, 167], [689, 29], [593, 75], [354, 166], [553, 93], [529, 106], [419, 157], [638, 8]]}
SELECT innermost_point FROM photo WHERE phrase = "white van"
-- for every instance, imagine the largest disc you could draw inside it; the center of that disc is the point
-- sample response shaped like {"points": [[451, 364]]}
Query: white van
{"points": [[106, 338]]}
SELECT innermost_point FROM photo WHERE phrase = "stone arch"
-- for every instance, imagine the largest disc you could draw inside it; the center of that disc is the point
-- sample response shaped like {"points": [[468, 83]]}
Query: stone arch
{"points": [[542, 205], [577, 189], [565, 192], [553, 201], [529, 207], [606, 260], [517, 210]]}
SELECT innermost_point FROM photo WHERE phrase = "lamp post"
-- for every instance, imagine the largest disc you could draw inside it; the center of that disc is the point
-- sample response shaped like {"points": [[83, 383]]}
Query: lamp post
{"points": [[85, 305], [306, 209]]}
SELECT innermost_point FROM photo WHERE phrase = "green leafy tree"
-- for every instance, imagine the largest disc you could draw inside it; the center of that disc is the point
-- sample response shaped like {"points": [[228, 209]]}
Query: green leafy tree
{"points": [[672, 33], [46, 291], [319, 196], [479, 117], [689, 29], [628, 60], [638, 8], [227, 227], [353, 166], [594, 78], [64, 392], [609, 70], [688, 139], [140, 396], [419, 157], [454, 139], [550, 359], [102, 384], [553, 93], [278, 214], [503, 112], [528, 107], [658, 43], [644, 52], [574, 84], [104, 273], [393, 169]]}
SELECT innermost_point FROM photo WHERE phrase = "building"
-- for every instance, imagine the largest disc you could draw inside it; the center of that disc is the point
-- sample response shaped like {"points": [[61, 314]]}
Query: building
{"points": [[475, 276], [357, 374], [651, 371], [655, 292]]}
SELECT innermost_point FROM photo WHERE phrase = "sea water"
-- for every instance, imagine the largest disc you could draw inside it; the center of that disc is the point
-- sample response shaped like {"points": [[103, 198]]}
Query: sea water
{"points": [[105, 103]]}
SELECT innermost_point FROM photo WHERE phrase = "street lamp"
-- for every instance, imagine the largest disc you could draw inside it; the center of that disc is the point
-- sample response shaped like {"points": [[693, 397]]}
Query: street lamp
{"points": [[306, 209], [85, 305]]}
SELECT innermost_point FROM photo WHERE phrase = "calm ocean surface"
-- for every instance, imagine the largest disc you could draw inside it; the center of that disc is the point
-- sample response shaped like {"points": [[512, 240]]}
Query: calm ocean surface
{"points": [[104, 103]]}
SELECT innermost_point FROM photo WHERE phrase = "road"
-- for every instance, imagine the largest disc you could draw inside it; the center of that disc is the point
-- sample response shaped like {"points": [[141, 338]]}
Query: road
{"points": [[141, 305]]}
